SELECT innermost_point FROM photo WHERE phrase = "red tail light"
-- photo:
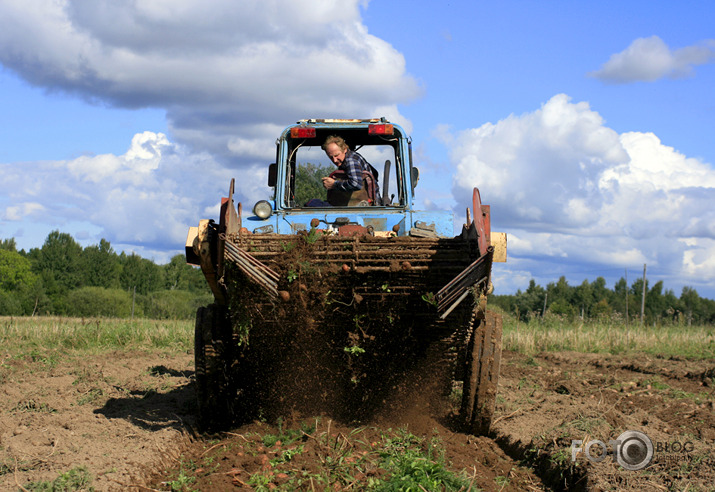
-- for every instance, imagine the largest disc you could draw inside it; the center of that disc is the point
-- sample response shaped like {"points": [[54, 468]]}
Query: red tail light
{"points": [[381, 129], [302, 132]]}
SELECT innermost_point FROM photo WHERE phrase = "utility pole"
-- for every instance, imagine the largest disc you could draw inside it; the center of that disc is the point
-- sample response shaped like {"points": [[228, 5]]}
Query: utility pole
{"points": [[134, 295], [546, 296], [643, 297], [626, 297]]}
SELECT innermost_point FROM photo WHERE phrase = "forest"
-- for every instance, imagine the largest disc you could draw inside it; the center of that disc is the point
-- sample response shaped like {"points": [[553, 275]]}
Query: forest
{"points": [[595, 301], [63, 278]]}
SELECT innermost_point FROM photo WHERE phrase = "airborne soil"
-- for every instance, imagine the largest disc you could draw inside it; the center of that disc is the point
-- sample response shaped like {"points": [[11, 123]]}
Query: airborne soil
{"points": [[128, 419]]}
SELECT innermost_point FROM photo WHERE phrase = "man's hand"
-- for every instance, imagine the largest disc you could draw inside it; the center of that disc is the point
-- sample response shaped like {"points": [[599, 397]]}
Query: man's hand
{"points": [[328, 182]]}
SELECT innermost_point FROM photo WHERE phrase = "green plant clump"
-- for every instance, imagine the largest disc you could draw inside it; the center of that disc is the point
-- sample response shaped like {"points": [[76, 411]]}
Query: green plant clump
{"points": [[412, 468], [76, 479]]}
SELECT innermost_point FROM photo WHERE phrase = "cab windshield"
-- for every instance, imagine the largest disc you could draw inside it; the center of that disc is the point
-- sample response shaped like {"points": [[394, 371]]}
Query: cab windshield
{"points": [[308, 165]]}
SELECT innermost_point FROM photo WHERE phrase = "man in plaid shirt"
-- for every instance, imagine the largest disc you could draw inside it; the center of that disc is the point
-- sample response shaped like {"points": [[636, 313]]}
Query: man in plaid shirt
{"points": [[351, 162]]}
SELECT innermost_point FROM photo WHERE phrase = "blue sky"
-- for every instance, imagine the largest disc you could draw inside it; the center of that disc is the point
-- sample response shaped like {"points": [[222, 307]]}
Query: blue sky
{"points": [[586, 125]]}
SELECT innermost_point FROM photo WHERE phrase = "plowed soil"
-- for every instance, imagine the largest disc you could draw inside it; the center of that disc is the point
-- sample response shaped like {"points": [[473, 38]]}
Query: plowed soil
{"points": [[128, 418]]}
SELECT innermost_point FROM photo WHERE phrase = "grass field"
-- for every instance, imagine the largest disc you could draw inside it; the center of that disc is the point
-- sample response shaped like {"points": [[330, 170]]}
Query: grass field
{"points": [[552, 334], [46, 343], [24, 335]]}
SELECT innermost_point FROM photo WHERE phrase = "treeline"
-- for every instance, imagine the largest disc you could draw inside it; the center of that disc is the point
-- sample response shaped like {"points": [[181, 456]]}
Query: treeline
{"points": [[62, 278], [593, 300]]}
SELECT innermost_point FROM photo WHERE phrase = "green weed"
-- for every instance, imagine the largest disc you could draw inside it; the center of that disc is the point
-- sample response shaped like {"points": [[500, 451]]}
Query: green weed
{"points": [[286, 436], [655, 384], [90, 396], [354, 350], [288, 247], [182, 483], [286, 456], [33, 406], [501, 481], [76, 479], [413, 468], [430, 299]]}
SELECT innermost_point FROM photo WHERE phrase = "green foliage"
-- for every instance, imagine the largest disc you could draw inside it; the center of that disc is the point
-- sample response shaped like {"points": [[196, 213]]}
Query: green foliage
{"points": [[594, 301], [100, 265], [308, 183], [182, 482], [139, 273], [59, 263], [21, 291], [10, 305], [15, 270], [411, 467], [182, 276], [430, 299], [354, 350], [174, 304], [100, 302], [62, 278], [77, 479], [41, 338], [8, 244]]}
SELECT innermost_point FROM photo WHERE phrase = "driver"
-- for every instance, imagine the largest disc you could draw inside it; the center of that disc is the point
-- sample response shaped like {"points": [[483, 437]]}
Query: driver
{"points": [[351, 163], [346, 160]]}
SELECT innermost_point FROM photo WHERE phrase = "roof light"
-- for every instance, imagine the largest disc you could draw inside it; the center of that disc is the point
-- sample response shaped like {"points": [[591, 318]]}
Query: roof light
{"points": [[381, 129], [302, 132]]}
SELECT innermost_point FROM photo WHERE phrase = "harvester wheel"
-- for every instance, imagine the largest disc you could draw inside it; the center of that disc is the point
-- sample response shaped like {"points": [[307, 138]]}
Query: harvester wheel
{"points": [[212, 358], [482, 373]]}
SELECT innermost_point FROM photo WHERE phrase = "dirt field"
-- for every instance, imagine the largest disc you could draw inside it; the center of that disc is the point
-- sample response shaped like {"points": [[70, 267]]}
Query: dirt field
{"points": [[128, 419]]}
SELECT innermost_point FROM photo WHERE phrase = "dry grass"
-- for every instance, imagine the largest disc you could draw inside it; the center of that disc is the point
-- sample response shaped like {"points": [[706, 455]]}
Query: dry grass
{"points": [[20, 335], [552, 334]]}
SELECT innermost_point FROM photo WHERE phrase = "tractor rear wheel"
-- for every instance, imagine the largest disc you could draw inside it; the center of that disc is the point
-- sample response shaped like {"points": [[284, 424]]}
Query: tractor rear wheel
{"points": [[215, 390], [481, 373]]}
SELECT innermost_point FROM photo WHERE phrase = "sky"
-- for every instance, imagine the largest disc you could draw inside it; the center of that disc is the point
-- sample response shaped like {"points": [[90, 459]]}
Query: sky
{"points": [[587, 126]]}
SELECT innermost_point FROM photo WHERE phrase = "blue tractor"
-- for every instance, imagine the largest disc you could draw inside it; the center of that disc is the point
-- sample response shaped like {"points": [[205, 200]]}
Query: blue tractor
{"points": [[355, 305]]}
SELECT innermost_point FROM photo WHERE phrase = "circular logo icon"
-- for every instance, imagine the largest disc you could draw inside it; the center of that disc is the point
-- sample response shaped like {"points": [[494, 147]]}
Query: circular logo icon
{"points": [[635, 450]]}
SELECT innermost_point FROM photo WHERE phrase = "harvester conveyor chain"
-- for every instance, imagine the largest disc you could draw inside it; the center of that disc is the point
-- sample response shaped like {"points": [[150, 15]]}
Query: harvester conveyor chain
{"points": [[257, 271], [457, 290]]}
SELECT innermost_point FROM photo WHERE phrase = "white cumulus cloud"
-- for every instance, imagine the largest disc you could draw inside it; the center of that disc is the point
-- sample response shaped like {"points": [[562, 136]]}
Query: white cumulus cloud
{"points": [[144, 199], [225, 74], [650, 59], [607, 199]]}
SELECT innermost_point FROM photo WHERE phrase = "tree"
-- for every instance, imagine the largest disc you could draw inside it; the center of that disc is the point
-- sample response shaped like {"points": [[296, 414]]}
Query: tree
{"points": [[8, 244], [583, 298], [59, 263], [658, 303], [100, 265], [174, 304], [600, 302], [15, 270], [531, 301], [98, 301], [690, 304], [20, 288], [182, 276], [600, 291], [139, 273], [308, 183], [601, 309]]}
